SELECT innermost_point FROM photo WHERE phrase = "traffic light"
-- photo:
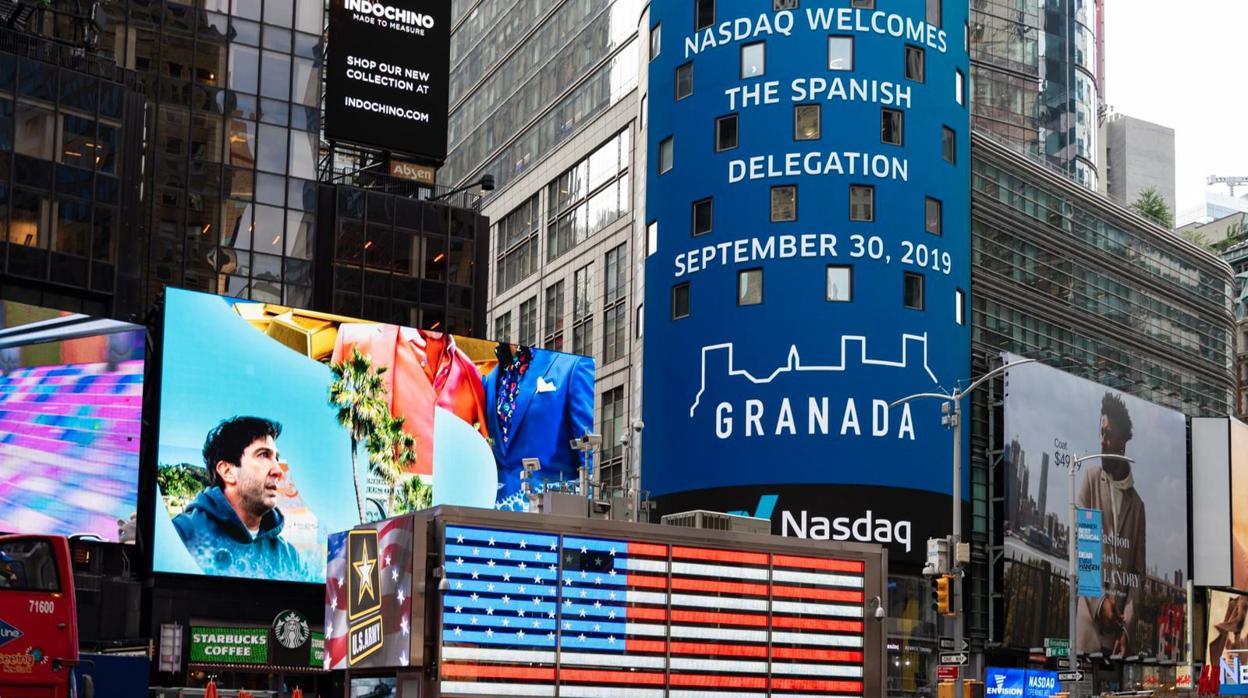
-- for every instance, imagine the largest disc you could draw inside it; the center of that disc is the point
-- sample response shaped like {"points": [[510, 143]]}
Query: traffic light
{"points": [[942, 595]]}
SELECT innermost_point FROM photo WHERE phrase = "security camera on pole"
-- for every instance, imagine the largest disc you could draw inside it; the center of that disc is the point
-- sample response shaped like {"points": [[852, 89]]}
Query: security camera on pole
{"points": [[947, 568]]}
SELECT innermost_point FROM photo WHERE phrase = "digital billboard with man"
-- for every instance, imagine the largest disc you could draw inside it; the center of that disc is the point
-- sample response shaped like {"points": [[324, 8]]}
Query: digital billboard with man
{"points": [[279, 425], [1137, 484]]}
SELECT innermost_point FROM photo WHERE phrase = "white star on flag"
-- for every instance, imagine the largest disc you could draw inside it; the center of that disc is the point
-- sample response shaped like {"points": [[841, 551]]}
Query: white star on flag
{"points": [[612, 573], [567, 626], [554, 547], [537, 557], [611, 639], [568, 581], [597, 628], [537, 600], [567, 602], [506, 599], [582, 637], [550, 635], [550, 614], [387, 560], [520, 634], [536, 623], [489, 587], [489, 632], [597, 604], [598, 579], [537, 580], [520, 612], [584, 593], [329, 629], [552, 568], [458, 631], [582, 613], [507, 553], [612, 552], [490, 563], [506, 576], [490, 541], [489, 610], [523, 544], [475, 574], [584, 574], [610, 615], [459, 538], [333, 602], [474, 596], [522, 566], [584, 550], [506, 621], [473, 620], [402, 658], [394, 575], [459, 561], [401, 597], [611, 595], [459, 585], [403, 625], [521, 589], [476, 552], [459, 609]]}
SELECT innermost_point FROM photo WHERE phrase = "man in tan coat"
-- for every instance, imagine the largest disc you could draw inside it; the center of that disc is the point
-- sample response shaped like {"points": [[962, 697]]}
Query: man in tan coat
{"points": [[1107, 623]]}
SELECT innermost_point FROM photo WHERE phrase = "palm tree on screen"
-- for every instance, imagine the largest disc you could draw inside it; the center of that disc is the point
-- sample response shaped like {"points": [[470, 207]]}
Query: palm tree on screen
{"points": [[358, 392]]}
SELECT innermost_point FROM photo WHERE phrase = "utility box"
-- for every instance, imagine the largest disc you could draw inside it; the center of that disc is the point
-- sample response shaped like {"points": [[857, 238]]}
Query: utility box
{"points": [[716, 521]]}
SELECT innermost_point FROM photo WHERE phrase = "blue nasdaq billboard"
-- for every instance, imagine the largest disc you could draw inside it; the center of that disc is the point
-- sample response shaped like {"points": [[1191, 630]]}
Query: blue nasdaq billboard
{"points": [[1019, 683], [807, 265]]}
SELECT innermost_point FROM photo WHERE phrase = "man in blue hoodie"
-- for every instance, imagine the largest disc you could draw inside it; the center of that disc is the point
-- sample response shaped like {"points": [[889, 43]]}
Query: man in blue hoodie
{"points": [[233, 528]]}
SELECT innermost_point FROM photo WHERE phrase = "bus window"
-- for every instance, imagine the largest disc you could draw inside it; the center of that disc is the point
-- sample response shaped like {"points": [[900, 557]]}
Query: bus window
{"points": [[28, 565]]}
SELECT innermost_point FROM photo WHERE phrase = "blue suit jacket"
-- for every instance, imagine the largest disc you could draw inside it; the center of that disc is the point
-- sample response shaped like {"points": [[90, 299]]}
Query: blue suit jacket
{"points": [[544, 422]]}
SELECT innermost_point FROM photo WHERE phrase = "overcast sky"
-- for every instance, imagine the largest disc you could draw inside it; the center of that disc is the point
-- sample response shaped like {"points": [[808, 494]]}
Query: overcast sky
{"points": [[1180, 65]]}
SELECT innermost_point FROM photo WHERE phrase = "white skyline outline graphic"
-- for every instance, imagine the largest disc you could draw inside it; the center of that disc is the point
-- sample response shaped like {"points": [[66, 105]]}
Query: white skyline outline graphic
{"points": [[794, 362]]}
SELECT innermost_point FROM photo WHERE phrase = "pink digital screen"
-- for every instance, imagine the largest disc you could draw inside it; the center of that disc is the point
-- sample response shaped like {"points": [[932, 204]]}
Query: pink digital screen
{"points": [[71, 393]]}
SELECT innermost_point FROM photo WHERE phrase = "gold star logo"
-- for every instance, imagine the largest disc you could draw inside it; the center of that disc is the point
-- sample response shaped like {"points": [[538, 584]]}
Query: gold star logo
{"points": [[364, 568]]}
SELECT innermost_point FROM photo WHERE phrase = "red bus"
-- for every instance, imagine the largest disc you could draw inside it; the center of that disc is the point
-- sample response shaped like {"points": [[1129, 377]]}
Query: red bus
{"points": [[38, 619]]}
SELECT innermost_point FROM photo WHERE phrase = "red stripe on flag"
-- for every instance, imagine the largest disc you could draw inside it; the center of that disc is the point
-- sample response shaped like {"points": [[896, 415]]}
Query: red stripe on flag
{"points": [[716, 617], [633, 645], [648, 549], [819, 563], [719, 650], [844, 626], [736, 588], [817, 685], [645, 582], [719, 555], [819, 655], [600, 676], [501, 671], [643, 613], [711, 681], [822, 594]]}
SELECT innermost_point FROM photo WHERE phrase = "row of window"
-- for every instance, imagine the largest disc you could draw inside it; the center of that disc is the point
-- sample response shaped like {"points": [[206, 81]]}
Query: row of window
{"points": [[614, 306], [784, 209], [839, 288], [727, 135]]}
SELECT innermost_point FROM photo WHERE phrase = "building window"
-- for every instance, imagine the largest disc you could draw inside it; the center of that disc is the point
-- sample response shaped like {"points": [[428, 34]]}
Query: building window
{"points": [[784, 203], [959, 86], [588, 196], [518, 246], [583, 312], [684, 80], [615, 308], [502, 328], [750, 287], [726, 133], [704, 14], [612, 429], [861, 203], [915, 64], [554, 317], [806, 119], [753, 59], [892, 125], [959, 306], [652, 237], [840, 285], [840, 53], [528, 323], [656, 40], [949, 145], [666, 155], [933, 12], [933, 216], [680, 301], [912, 291], [702, 216]]}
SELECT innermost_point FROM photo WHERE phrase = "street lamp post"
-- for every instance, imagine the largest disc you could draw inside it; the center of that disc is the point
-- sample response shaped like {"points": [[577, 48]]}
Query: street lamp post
{"points": [[952, 410], [1072, 551]]}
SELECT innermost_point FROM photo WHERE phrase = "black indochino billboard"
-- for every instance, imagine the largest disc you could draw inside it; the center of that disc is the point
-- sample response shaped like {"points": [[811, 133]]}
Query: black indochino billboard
{"points": [[388, 81]]}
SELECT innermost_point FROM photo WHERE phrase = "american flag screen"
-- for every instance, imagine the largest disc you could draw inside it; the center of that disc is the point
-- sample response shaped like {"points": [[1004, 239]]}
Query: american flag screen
{"points": [[537, 614]]}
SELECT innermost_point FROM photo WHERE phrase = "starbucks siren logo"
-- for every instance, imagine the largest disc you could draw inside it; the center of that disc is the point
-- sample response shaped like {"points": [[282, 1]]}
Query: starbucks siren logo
{"points": [[291, 629]]}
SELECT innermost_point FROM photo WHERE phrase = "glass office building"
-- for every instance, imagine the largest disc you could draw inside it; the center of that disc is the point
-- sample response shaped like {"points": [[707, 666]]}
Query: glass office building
{"points": [[1035, 73]]}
